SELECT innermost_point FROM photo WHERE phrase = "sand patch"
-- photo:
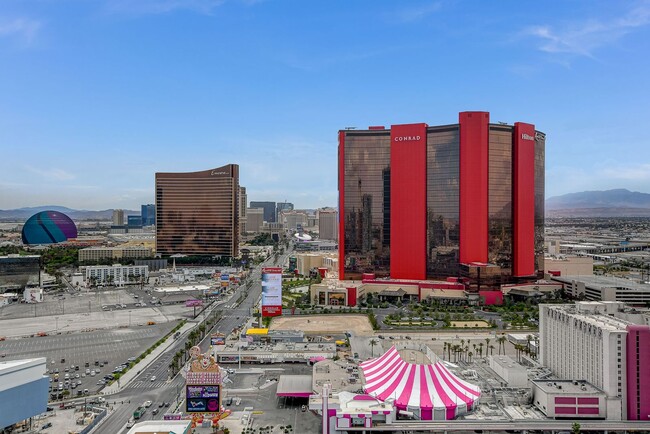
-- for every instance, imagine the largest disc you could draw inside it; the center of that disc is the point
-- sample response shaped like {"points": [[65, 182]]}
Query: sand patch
{"points": [[323, 324]]}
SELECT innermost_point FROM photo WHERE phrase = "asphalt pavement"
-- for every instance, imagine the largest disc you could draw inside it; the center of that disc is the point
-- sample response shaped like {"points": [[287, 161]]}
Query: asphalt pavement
{"points": [[141, 388]]}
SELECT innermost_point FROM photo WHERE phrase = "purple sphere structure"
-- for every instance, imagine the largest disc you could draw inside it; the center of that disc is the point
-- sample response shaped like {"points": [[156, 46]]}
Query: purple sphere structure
{"points": [[48, 227]]}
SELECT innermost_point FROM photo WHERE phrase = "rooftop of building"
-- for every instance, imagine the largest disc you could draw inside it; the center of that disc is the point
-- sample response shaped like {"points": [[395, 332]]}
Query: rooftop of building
{"points": [[116, 248], [343, 375], [160, 427], [595, 281], [19, 256], [596, 313], [14, 365], [567, 386], [507, 362]]}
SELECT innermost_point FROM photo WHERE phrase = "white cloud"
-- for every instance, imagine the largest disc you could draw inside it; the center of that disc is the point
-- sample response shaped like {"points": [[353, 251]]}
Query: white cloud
{"points": [[51, 173], [24, 29], [142, 7], [585, 37], [417, 13]]}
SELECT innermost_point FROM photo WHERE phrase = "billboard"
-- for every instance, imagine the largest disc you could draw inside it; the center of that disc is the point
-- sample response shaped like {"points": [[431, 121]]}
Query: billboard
{"points": [[203, 398], [217, 339], [271, 291], [225, 280], [193, 303]]}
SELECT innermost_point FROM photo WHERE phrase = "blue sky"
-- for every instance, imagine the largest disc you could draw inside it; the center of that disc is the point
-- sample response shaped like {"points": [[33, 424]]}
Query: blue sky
{"points": [[98, 95]]}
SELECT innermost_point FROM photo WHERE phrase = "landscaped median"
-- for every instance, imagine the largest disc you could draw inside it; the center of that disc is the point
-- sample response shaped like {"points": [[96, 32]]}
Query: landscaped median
{"points": [[148, 351]]}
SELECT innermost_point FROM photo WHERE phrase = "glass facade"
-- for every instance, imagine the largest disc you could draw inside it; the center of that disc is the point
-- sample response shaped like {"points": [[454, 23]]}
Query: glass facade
{"points": [[366, 174], [540, 150], [443, 183], [367, 203], [500, 200], [16, 272], [197, 213]]}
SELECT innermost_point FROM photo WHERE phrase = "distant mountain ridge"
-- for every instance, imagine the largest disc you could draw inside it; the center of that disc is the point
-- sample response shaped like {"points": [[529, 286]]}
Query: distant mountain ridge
{"points": [[608, 203], [74, 214]]}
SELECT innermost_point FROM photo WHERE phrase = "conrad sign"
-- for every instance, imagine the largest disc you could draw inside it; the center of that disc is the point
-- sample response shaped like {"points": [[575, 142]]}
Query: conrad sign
{"points": [[406, 138]]}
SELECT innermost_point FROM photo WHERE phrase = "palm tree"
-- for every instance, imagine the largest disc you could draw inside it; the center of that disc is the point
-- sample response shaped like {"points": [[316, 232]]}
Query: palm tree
{"points": [[502, 340], [528, 339], [491, 349], [372, 347], [480, 349], [444, 348]]}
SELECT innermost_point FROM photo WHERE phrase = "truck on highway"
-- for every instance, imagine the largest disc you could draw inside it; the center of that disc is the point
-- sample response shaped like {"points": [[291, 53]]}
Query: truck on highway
{"points": [[137, 414]]}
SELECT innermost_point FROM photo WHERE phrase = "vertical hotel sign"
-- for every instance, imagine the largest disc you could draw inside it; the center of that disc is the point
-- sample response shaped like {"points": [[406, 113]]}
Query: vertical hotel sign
{"points": [[271, 291]]}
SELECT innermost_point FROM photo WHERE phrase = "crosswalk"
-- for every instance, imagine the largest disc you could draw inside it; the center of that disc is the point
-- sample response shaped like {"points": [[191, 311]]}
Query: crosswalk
{"points": [[148, 384]]}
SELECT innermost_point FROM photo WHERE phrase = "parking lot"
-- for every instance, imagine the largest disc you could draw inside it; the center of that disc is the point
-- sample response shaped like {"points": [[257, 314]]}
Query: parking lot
{"points": [[62, 351]]}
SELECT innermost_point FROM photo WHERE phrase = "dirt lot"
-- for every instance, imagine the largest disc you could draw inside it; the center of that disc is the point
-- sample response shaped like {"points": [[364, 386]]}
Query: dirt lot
{"points": [[324, 324]]}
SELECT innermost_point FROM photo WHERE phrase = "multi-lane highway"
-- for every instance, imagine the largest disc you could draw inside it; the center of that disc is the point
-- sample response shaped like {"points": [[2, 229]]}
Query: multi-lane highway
{"points": [[165, 390]]}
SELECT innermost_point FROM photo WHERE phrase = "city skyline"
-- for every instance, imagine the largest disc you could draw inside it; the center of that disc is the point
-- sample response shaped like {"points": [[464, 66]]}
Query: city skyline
{"points": [[101, 95]]}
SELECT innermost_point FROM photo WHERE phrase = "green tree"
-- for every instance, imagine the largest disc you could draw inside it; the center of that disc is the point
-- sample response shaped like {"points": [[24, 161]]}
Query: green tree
{"points": [[575, 428]]}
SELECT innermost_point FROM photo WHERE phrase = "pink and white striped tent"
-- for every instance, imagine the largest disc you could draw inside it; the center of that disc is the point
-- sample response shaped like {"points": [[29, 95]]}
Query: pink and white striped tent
{"points": [[431, 392]]}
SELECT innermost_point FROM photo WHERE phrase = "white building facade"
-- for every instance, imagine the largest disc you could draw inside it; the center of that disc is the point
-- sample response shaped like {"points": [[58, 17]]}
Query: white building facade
{"points": [[116, 274], [586, 341]]}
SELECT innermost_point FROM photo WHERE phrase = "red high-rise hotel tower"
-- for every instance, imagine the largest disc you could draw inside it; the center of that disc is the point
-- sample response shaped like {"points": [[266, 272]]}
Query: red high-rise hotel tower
{"points": [[463, 200]]}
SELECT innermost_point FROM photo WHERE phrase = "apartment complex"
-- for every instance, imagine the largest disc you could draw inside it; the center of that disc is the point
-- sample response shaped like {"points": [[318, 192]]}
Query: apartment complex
{"points": [[197, 213], [605, 344], [421, 202], [115, 274]]}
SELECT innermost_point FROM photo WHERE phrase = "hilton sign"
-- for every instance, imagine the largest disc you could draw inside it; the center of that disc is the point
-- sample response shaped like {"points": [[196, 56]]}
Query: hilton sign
{"points": [[525, 136]]}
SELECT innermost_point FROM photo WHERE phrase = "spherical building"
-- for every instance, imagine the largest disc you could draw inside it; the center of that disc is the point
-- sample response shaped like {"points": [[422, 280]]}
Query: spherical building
{"points": [[48, 227]]}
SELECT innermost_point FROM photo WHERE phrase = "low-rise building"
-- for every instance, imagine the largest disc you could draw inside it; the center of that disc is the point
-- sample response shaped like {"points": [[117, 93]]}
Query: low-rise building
{"points": [[115, 274], [114, 253], [23, 390], [18, 271], [569, 265], [569, 399], [512, 373], [606, 288]]}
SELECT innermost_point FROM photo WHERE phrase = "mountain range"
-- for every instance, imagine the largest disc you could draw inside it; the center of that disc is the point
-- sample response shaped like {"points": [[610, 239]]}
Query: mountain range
{"points": [[74, 214], [608, 203]]}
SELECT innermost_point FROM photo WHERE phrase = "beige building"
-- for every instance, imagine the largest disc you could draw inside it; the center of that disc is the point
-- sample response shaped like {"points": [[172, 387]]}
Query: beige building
{"points": [[309, 261], [118, 217], [569, 265], [328, 224], [116, 253], [293, 219], [243, 200], [254, 219]]}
